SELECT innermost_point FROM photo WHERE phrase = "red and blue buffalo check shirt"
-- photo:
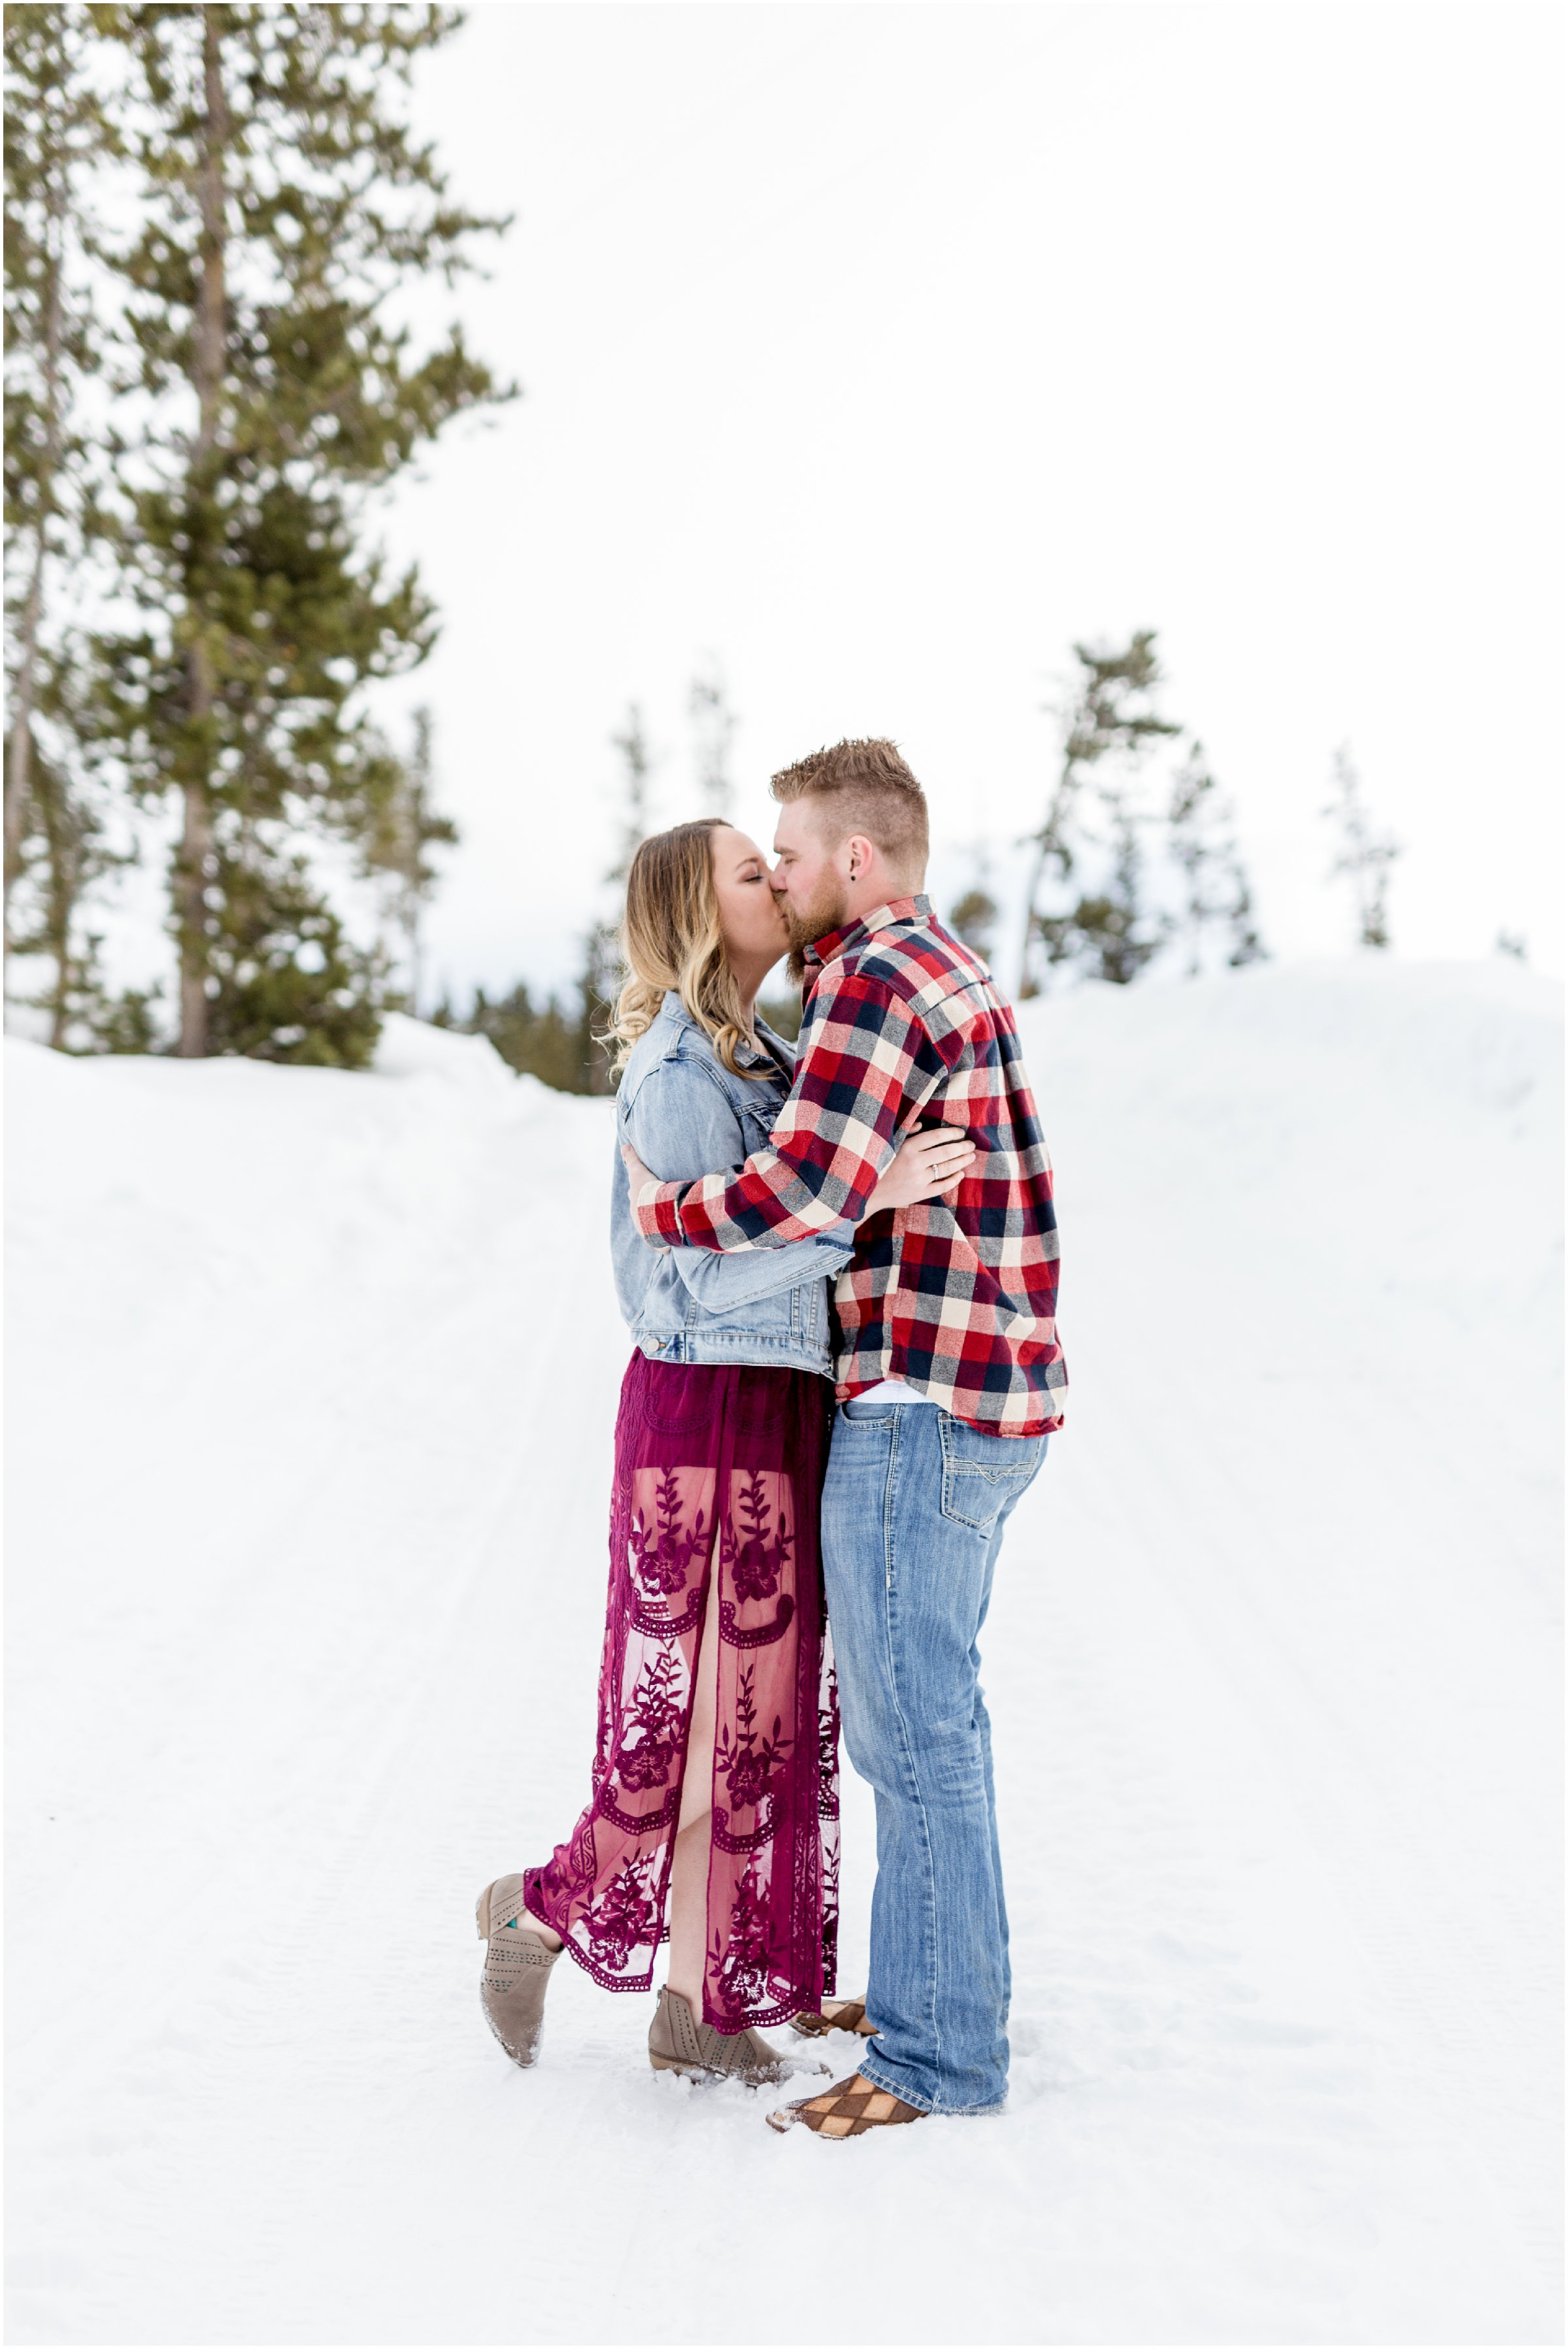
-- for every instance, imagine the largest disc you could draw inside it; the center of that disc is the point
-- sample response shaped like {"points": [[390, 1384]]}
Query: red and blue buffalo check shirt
{"points": [[904, 1026]]}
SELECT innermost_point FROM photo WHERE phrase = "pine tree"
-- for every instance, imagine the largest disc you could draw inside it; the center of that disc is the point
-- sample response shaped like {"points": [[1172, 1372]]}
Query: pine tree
{"points": [[713, 722], [976, 913], [974, 918], [56, 132], [284, 204], [66, 848], [1365, 856], [128, 1022], [782, 1013], [291, 985], [1201, 842], [1246, 941], [1111, 718], [638, 760], [405, 826], [539, 1039]]}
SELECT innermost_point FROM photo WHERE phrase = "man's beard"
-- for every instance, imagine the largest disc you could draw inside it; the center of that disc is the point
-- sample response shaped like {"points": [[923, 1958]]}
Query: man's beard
{"points": [[807, 924]]}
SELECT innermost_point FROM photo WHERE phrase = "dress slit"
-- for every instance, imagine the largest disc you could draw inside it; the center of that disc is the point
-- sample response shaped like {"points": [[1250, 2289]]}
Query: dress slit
{"points": [[718, 1472]]}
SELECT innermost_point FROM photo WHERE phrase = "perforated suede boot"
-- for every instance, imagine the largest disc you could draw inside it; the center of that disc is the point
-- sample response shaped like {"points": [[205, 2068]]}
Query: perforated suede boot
{"points": [[518, 1963], [676, 2041]]}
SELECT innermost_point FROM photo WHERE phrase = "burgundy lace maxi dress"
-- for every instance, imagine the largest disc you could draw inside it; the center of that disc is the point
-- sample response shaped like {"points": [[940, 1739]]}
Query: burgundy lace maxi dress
{"points": [[737, 1453]]}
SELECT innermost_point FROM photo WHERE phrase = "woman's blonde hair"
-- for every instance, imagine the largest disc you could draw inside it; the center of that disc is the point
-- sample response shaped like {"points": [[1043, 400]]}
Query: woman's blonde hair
{"points": [[671, 938]]}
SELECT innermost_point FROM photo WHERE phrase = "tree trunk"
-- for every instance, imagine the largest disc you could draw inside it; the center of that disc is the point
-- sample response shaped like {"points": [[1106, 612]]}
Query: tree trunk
{"points": [[413, 847], [64, 888], [194, 865], [20, 764], [411, 933], [191, 868]]}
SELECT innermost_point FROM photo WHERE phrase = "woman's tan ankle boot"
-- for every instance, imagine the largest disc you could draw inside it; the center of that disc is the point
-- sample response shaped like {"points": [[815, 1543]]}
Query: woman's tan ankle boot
{"points": [[517, 1962], [678, 2043]]}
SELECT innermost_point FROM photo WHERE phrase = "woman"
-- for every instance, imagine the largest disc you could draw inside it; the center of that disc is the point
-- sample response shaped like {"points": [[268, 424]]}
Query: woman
{"points": [[715, 1779]]}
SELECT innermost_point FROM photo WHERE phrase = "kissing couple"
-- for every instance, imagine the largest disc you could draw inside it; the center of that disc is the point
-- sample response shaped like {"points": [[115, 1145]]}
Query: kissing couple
{"points": [[838, 1264]]}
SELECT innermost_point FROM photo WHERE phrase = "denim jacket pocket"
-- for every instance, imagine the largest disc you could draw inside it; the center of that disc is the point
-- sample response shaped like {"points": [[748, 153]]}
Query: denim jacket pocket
{"points": [[982, 1474]]}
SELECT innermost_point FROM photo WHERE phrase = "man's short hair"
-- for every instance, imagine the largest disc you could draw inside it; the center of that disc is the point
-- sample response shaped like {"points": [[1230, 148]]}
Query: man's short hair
{"points": [[864, 787]]}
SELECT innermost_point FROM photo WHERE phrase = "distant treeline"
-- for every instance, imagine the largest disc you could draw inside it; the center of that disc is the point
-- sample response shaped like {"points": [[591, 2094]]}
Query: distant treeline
{"points": [[554, 1039], [1135, 865], [1130, 863]]}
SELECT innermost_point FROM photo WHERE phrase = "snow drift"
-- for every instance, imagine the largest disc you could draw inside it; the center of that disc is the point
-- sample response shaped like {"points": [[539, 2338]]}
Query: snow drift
{"points": [[312, 1383]]}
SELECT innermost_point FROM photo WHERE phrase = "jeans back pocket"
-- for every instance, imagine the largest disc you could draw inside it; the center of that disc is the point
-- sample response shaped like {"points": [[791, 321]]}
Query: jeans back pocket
{"points": [[983, 1475]]}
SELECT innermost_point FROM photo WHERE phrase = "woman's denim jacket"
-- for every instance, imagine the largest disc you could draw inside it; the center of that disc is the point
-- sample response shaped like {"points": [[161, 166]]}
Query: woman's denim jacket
{"points": [[686, 1116]]}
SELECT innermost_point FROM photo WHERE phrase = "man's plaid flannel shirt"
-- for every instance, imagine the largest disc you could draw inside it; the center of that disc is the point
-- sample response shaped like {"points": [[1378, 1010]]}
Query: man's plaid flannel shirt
{"points": [[902, 1026]]}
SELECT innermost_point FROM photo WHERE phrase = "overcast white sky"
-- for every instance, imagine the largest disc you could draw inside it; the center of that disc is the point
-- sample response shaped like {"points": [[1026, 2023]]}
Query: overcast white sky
{"points": [[883, 350]]}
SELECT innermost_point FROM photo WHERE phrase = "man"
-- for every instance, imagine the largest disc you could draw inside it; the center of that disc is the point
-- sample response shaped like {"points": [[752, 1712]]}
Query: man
{"points": [[949, 1378]]}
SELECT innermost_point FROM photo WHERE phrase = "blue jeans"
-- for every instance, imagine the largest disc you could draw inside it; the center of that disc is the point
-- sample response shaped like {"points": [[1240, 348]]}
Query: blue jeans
{"points": [[912, 1515]]}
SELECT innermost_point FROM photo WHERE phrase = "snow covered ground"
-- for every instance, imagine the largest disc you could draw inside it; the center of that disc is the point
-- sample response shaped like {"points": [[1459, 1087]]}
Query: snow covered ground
{"points": [[311, 1379]]}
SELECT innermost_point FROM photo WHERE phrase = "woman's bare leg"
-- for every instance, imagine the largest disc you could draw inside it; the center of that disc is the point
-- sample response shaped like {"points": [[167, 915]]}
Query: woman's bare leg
{"points": [[688, 1869]]}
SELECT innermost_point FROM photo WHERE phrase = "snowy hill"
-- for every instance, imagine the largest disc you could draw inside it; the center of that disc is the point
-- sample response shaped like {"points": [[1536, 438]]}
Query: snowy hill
{"points": [[312, 1380]]}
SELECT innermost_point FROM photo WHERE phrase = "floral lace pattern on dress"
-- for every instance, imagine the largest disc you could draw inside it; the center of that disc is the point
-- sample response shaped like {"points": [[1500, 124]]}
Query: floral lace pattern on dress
{"points": [[719, 1469]]}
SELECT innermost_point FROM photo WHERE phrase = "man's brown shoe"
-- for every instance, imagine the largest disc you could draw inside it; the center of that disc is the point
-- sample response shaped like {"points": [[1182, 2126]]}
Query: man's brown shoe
{"points": [[517, 1962], [851, 2108], [676, 2041], [833, 2014]]}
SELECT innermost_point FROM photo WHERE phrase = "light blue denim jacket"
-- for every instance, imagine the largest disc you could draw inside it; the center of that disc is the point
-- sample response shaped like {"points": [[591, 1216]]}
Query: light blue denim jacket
{"points": [[685, 1115]]}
